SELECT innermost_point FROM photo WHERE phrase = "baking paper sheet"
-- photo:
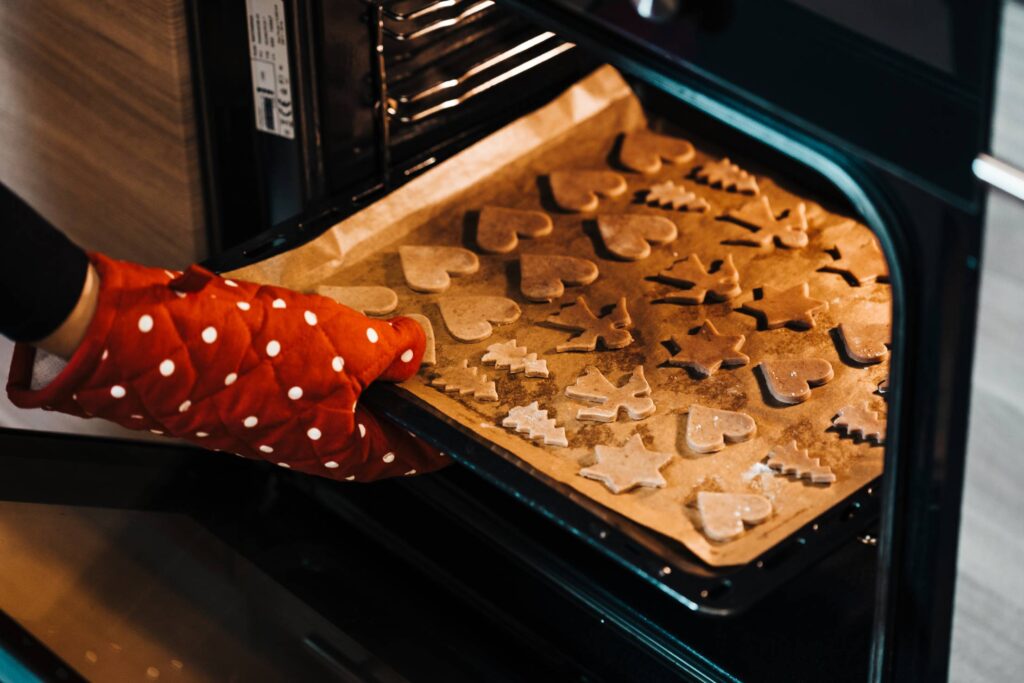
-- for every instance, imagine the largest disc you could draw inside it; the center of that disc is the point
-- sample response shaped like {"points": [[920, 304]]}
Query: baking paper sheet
{"points": [[580, 130]]}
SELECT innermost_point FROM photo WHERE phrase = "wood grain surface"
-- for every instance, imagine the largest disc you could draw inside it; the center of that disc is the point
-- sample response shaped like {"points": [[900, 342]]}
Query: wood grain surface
{"points": [[96, 124]]}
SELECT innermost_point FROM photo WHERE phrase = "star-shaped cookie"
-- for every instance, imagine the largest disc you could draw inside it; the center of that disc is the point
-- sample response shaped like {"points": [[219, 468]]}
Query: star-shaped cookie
{"points": [[793, 307], [707, 350], [624, 468]]}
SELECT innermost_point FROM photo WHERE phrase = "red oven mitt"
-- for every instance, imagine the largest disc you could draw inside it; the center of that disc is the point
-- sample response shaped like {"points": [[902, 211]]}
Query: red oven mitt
{"points": [[259, 371]]}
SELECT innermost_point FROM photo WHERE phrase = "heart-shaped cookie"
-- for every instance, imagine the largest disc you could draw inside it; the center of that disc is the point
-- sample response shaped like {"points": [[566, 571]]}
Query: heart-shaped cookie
{"points": [[629, 236], [469, 318], [369, 300], [707, 429], [790, 380], [427, 269], [866, 342], [722, 515], [579, 190], [643, 151], [498, 229], [542, 275]]}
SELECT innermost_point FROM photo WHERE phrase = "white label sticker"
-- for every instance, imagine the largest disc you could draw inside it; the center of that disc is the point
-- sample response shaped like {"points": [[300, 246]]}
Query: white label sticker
{"points": [[271, 79]]}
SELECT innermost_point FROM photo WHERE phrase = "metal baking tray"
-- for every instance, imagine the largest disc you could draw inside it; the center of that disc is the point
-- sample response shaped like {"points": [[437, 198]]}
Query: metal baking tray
{"points": [[654, 558]]}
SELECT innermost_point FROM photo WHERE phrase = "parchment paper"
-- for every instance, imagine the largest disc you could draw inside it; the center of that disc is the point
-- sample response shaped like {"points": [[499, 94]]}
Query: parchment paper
{"points": [[580, 130]]}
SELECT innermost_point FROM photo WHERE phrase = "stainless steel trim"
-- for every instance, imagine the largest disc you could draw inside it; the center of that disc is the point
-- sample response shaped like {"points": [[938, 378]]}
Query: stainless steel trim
{"points": [[440, 23], [476, 69], [999, 174], [487, 85], [429, 8]]}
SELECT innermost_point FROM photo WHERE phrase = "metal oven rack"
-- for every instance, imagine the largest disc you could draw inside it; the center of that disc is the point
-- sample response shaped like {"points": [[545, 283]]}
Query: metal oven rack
{"points": [[465, 58]]}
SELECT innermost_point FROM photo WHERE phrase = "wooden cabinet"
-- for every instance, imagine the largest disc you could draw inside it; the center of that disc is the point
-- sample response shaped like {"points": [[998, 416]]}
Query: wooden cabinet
{"points": [[96, 124]]}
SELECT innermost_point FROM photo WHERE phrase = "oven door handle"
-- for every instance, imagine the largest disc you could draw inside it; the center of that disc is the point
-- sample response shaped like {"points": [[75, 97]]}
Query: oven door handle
{"points": [[999, 174]]}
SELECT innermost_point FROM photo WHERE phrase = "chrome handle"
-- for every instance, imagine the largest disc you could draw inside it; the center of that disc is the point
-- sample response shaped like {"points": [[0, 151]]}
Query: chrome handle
{"points": [[999, 174]]}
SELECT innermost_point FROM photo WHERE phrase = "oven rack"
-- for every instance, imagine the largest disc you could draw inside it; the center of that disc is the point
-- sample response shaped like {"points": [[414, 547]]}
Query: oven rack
{"points": [[436, 56], [657, 560]]}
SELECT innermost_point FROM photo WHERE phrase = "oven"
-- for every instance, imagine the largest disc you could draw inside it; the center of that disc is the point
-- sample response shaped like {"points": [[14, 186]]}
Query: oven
{"points": [[312, 111]]}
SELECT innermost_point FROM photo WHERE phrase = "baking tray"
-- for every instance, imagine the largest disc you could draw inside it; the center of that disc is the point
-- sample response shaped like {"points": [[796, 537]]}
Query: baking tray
{"points": [[578, 130]]}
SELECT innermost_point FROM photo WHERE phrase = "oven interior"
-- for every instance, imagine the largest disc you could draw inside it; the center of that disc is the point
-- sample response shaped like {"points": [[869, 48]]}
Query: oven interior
{"points": [[395, 88], [448, 73]]}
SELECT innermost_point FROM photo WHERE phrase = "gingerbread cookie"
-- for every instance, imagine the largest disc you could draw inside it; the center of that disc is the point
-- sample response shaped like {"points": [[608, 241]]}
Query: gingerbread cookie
{"points": [[469, 318], [498, 229], [634, 396], [624, 468], [707, 429], [790, 380], [612, 329], [689, 272], [723, 515], [515, 358], [463, 380], [534, 422], [865, 343], [643, 151], [707, 350], [579, 190], [727, 176], [668, 195], [860, 419], [543, 276], [860, 258], [788, 459], [629, 236], [789, 232], [370, 300], [792, 307], [427, 269]]}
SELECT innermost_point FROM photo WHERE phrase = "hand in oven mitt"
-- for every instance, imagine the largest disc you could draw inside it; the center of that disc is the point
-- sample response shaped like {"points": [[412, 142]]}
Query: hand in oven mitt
{"points": [[256, 370]]}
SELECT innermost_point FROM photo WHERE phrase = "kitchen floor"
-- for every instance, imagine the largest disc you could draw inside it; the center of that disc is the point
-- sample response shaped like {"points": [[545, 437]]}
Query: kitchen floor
{"points": [[989, 620]]}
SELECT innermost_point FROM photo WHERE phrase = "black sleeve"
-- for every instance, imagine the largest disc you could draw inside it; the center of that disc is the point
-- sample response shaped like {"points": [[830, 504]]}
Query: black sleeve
{"points": [[41, 272]]}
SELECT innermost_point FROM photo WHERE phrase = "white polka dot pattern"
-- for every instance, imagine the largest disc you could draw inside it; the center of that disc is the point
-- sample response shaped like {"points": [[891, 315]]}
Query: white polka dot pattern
{"points": [[248, 372], [284, 465]]}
